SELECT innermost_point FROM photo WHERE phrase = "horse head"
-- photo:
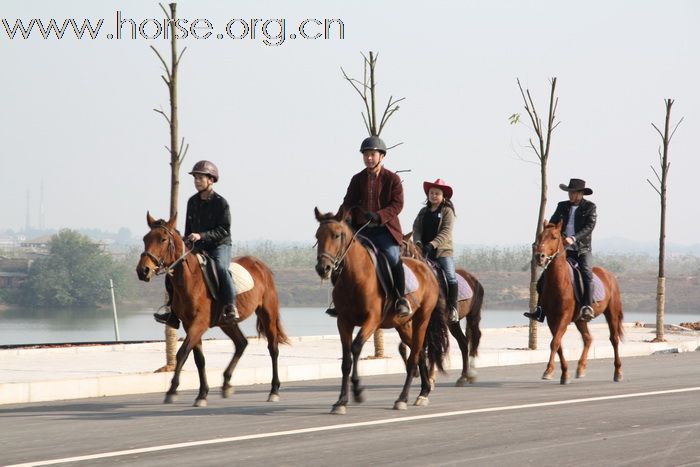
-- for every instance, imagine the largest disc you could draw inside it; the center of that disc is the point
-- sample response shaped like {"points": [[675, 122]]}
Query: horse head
{"points": [[333, 239], [410, 249], [160, 245], [549, 243]]}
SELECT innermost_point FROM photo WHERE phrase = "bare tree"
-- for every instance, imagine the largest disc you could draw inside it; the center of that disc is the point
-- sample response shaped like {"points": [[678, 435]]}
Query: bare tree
{"points": [[177, 151], [661, 190], [367, 90], [541, 150]]}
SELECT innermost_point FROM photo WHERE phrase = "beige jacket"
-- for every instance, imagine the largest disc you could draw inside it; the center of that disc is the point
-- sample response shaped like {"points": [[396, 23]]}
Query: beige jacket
{"points": [[443, 240]]}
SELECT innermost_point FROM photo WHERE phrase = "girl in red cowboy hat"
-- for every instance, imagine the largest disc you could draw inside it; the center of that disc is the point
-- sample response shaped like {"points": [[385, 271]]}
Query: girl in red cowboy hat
{"points": [[432, 231]]}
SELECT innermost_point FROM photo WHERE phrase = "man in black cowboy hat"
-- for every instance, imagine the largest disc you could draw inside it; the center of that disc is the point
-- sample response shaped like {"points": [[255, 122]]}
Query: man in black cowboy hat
{"points": [[579, 217]]}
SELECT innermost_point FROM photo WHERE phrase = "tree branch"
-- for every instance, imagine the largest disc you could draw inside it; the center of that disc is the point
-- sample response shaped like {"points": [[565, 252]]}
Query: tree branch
{"points": [[652, 185], [165, 65], [163, 114]]}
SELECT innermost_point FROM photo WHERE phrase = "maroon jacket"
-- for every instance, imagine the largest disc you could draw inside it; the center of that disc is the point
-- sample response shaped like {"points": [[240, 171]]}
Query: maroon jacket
{"points": [[390, 193]]}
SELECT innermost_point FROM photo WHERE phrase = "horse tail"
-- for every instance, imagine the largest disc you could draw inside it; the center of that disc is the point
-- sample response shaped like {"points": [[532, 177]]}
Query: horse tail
{"points": [[272, 305], [437, 338], [474, 318]]}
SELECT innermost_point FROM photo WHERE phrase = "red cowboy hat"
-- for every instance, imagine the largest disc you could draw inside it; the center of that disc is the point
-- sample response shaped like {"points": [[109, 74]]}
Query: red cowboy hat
{"points": [[440, 184]]}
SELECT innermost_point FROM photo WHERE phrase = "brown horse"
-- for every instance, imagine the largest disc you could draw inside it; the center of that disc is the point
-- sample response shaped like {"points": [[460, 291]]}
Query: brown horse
{"points": [[165, 252], [468, 339], [359, 301], [560, 307]]}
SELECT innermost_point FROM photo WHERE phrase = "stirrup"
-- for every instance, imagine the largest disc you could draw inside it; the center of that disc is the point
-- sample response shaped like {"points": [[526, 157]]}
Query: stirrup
{"points": [[230, 314], [586, 313], [402, 307], [168, 318], [453, 315]]}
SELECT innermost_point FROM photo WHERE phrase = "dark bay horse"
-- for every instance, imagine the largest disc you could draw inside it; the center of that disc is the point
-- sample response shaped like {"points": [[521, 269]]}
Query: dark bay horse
{"points": [[560, 307], [164, 251], [468, 339], [360, 301]]}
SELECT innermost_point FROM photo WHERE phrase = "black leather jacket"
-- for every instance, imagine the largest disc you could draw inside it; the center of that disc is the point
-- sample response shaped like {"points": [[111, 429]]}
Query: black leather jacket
{"points": [[211, 218], [584, 221]]}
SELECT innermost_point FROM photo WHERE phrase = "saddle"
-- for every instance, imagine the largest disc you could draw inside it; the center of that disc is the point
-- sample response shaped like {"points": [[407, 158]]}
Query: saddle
{"points": [[464, 290], [242, 280], [597, 287]]}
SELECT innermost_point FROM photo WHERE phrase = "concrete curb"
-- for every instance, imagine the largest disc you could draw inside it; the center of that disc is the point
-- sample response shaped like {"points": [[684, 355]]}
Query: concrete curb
{"points": [[312, 364]]}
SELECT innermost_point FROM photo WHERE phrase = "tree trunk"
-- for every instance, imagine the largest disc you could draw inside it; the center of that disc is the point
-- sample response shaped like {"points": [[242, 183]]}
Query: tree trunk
{"points": [[379, 343]]}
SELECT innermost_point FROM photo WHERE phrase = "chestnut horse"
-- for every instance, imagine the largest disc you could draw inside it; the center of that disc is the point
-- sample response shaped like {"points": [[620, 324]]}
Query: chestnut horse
{"points": [[468, 339], [560, 307], [360, 301], [165, 252]]}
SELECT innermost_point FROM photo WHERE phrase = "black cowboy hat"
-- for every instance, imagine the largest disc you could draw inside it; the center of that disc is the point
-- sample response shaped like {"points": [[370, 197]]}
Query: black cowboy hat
{"points": [[576, 184]]}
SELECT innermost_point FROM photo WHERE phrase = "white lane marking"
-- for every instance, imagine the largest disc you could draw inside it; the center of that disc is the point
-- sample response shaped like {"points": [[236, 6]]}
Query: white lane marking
{"points": [[342, 426]]}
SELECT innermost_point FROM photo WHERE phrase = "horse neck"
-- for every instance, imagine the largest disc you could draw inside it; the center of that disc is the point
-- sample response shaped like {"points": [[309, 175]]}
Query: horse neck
{"points": [[558, 268], [357, 262]]}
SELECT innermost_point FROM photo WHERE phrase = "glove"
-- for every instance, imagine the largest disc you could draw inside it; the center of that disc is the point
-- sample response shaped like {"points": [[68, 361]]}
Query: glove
{"points": [[374, 217], [428, 250]]}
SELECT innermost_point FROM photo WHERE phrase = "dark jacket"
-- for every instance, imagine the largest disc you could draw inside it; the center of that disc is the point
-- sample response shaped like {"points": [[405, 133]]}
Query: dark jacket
{"points": [[211, 218], [584, 221], [390, 193]]}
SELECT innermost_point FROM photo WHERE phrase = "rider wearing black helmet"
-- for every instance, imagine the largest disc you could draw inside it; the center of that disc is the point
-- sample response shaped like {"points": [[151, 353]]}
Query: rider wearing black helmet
{"points": [[208, 227]]}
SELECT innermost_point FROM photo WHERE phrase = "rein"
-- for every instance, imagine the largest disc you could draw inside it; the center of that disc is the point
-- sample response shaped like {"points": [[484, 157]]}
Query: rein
{"points": [[550, 259], [338, 259]]}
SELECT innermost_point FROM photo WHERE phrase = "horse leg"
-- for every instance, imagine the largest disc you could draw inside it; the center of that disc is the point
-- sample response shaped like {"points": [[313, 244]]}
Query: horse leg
{"points": [[587, 339], [345, 331], [426, 383], [463, 342], [201, 400], [415, 359], [558, 329], [273, 349], [240, 342], [614, 325], [182, 353], [366, 330], [564, 367]]}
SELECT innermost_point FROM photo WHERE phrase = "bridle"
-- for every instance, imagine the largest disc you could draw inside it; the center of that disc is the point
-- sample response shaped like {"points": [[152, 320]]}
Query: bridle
{"points": [[551, 258], [161, 268], [337, 260]]}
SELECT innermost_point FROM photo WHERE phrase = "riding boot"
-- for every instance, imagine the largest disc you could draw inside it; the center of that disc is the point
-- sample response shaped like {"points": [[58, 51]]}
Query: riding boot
{"points": [[331, 311], [452, 291], [230, 314], [402, 307], [587, 312], [538, 314], [168, 317]]}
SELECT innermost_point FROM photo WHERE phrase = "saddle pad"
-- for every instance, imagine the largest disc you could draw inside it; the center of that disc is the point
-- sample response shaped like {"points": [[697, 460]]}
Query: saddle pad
{"points": [[464, 290], [598, 287], [242, 280], [411, 279]]}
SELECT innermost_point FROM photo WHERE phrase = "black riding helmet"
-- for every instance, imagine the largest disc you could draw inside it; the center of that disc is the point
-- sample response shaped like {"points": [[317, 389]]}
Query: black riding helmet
{"points": [[373, 143]]}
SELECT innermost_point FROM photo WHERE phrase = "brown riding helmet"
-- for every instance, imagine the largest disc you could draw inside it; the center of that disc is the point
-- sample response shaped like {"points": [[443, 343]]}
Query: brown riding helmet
{"points": [[206, 168]]}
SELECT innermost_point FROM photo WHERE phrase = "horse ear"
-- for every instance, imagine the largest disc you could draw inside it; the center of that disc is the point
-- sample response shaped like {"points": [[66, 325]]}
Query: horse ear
{"points": [[149, 219], [173, 221], [318, 214], [408, 236], [560, 223], [340, 215]]}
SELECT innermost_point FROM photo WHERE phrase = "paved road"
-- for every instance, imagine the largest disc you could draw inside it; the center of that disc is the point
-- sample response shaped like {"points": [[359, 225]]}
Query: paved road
{"points": [[509, 417]]}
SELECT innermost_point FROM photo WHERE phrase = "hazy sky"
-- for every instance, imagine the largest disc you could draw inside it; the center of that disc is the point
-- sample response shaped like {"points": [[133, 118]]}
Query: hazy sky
{"points": [[284, 127]]}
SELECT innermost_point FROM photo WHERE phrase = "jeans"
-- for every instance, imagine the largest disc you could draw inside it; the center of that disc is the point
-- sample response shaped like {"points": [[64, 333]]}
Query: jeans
{"points": [[222, 257], [383, 240], [447, 264]]}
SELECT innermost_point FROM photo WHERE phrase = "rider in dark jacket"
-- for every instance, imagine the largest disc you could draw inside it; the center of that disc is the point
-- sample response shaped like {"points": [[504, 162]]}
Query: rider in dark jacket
{"points": [[577, 234]]}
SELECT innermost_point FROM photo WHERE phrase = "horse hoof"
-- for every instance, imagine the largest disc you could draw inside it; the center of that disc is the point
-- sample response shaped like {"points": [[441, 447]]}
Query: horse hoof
{"points": [[359, 398], [200, 403], [421, 401], [338, 410], [227, 392], [580, 374], [273, 398], [400, 405], [462, 382], [564, 380], [547, 376], [170, 398], [618, 378], [432, 384]]}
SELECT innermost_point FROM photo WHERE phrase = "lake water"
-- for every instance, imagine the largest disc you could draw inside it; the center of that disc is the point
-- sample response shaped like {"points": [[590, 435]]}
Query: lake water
{"points": [[26, 326]]}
